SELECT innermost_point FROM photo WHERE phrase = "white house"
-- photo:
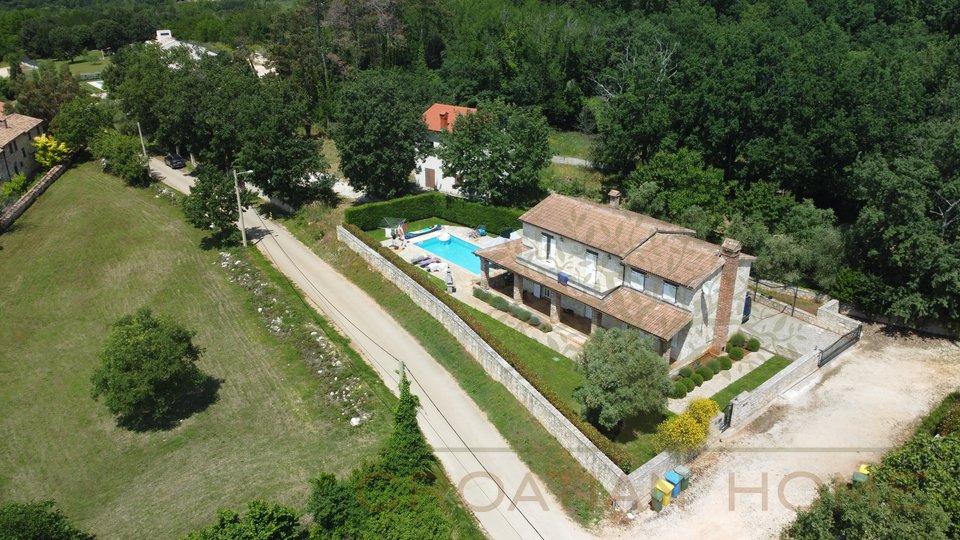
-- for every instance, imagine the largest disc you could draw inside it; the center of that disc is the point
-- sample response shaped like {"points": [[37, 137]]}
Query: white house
{"points": [[584, 264], [16, 144], [166, 41], [429, 173]]}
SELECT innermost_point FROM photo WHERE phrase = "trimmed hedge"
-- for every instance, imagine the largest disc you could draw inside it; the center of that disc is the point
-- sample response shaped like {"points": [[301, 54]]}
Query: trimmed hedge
{"points": [[546, 327], [725, 362], [753, 345], [705, 372], [736, 353], [737, 340], [434, 204], [612, 451], [714, 366], [679, 390], [685, 371], [697, 379], [688, 382]]}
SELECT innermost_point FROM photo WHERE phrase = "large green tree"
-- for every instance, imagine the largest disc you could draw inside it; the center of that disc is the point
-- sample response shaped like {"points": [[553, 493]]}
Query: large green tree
{"points": [[497, 153], [407, 452], [122, 155], [148, 375], [37, 521], [79, 121], [379, 132], [623, 377], [41, 92], [212, 203]]}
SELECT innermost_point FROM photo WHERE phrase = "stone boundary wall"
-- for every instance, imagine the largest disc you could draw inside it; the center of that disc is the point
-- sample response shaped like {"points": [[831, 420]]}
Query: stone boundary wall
{"points": [[829, 317], [28, 198], [785, 308], [580, 447], [805, 294]]}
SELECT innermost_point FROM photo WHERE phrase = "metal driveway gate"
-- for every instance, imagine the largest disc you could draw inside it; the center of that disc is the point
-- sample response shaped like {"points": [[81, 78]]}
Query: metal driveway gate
{"points": [[840, 345]]}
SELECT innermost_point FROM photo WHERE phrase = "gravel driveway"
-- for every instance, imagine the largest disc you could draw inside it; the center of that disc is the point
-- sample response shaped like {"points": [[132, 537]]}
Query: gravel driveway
{"points": [[852, 411]]}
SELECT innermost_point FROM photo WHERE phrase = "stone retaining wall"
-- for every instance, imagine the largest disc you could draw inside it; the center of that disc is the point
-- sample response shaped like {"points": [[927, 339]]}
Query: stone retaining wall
{"points": [[580, 447], [28, 198], [749, 405]]}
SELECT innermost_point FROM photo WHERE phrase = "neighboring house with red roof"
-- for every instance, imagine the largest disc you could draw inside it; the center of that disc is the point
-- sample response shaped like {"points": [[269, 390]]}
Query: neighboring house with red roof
{"points": [[587, 265], [16, 144], [429, 174]]}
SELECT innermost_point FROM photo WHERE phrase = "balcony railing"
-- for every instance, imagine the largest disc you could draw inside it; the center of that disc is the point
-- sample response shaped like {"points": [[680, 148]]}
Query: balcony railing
{"points": [[529, 259]]}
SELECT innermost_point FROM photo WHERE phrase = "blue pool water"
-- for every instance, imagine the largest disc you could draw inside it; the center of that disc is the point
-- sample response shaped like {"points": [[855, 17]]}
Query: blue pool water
{"points": [[457, 251]]}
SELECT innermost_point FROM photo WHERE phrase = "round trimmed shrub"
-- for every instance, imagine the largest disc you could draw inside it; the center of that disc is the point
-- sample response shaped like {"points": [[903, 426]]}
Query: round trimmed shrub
{"points": [[546, 327], [705, 372], [736, 353], [480, 293], [738, 340], [686, 372], [753, 345], [679, 390], [697, 379], [725, 362], [524, 315], [534, 320], [689, 383], [714, 366]]}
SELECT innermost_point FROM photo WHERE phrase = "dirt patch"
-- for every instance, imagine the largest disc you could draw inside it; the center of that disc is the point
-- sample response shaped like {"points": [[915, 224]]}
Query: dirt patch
{"points": [[866, 401]]}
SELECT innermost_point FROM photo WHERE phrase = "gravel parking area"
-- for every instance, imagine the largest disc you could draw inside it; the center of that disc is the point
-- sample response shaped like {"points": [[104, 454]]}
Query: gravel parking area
{"points": [[864, 402]]}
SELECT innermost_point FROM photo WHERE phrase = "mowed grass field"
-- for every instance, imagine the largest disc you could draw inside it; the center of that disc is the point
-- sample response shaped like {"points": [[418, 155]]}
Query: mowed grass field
{"points": [[89, 251]]}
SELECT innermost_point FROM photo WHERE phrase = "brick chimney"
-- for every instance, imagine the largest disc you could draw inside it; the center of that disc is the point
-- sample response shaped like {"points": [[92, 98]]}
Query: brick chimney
{"points": [[614, 198], [730, 251], [444, 120]]}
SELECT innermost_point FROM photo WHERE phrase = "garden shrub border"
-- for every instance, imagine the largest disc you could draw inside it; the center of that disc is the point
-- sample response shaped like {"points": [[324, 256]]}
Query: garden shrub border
{"points": [[516, 310], [434, 204], [616, 454]]}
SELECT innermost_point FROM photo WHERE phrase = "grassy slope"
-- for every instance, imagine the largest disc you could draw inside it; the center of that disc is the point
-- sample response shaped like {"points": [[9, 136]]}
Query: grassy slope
{"points": [[751, 380], [89, 251], [578, 491], [571, 144]]}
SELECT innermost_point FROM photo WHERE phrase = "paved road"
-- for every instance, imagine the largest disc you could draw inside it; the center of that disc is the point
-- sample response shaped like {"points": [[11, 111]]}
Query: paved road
{"points": [[466, 443]]}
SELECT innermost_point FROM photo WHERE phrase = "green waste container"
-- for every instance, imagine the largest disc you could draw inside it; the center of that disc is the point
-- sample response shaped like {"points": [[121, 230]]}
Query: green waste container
{"points": [[684, 473], [656, 500], [859, 478]]}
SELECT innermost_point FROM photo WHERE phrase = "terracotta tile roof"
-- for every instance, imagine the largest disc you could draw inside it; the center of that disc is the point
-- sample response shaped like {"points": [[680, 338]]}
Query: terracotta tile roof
{"points": [[16, 125], [613, 230], [632, 307], [434, 116], [679, 258]]}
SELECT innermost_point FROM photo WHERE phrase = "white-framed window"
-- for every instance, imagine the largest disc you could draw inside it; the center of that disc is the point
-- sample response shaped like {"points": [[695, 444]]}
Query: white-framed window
{"points": [[544, 292], [670, 292], [546, 246], [637, 279]]}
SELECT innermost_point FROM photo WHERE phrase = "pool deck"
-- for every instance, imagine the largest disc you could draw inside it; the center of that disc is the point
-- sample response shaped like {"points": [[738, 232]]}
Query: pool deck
{"points": [[562, 340]]}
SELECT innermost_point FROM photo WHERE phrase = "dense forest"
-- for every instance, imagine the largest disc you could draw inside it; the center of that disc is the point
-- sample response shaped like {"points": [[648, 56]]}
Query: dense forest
{"points": [[823, 134]]}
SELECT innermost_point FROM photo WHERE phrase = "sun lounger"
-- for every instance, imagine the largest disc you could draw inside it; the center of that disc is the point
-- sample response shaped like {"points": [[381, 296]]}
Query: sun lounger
{"points": [[419, 259], [428, 262]]}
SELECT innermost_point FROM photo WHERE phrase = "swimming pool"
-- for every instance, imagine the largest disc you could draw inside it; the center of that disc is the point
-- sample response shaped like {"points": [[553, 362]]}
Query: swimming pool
{"points": [[457, 251]]}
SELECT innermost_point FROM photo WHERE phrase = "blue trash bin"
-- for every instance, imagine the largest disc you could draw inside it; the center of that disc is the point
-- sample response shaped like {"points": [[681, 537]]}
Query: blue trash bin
{"points": [[674, 479]]}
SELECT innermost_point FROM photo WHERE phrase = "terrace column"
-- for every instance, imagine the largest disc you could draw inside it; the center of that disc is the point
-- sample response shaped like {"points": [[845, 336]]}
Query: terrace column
{"points": [[554, 307], [517, 289], [484, 274]]}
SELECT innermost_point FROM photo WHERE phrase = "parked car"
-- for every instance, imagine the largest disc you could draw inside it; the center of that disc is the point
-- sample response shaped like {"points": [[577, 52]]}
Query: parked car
{"points": [[174, 161]]}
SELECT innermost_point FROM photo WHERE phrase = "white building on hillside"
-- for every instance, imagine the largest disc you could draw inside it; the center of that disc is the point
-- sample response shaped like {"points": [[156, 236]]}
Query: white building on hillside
{"points": [[429, 174], [166, 41]]}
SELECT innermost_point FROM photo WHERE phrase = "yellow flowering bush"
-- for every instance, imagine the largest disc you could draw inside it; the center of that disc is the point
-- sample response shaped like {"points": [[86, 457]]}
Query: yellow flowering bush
{"points": [[703, 410], [681, 433]]}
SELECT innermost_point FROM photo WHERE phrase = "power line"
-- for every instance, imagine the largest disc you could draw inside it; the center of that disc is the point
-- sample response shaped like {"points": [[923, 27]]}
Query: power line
{"points": [[385, 370]]}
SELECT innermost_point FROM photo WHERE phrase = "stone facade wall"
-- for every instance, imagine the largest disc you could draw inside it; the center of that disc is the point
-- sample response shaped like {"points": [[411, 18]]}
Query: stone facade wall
{"points": [[19, 207], [580, 447]]}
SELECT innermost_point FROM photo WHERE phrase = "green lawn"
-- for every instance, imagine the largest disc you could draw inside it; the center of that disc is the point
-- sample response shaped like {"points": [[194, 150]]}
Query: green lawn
{"points": [[89, 251], [556, 370], [330, 153], [571, 143], [579, 492], [751, 380], [91, 62]]}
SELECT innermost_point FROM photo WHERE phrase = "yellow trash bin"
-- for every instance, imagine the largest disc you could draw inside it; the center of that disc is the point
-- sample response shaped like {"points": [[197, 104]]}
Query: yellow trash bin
{"points": [[666, 488], [864, 469]]}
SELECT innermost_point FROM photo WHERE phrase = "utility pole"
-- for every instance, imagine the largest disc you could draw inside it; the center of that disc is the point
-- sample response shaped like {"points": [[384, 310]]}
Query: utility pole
{"points": [[236, 188], [142, 146]]}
